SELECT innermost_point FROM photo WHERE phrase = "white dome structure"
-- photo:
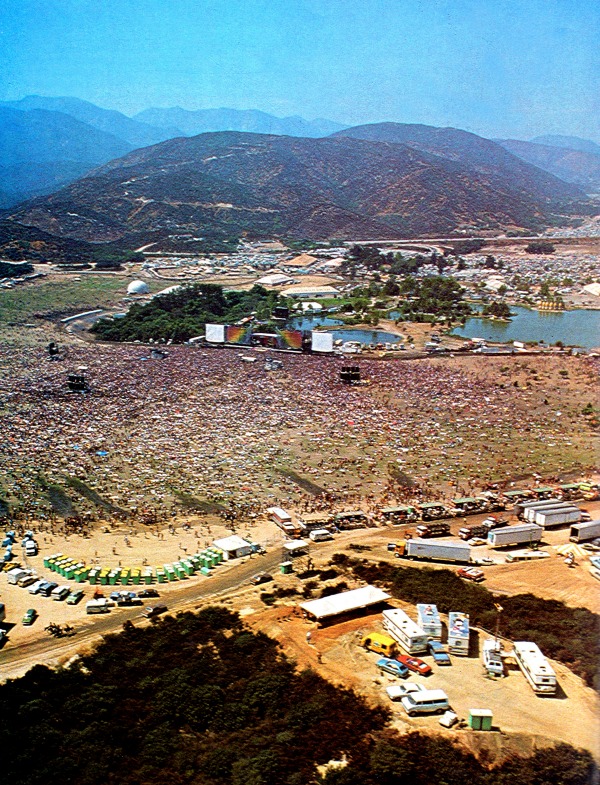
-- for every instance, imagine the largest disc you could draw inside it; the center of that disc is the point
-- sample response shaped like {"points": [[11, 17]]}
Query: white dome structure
{"points": [[138, 287]]}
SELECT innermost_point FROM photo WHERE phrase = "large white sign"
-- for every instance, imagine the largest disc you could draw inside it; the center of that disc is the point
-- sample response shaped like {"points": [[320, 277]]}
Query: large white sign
{"points": [[215, 333], [322, 342]]}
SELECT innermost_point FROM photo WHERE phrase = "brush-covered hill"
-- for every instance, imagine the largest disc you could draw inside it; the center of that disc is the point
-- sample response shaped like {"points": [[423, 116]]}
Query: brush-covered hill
{"points": [[230, 183]]}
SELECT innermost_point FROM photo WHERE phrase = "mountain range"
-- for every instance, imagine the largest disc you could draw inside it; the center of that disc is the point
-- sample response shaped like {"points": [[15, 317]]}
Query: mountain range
{"points": [[379, 181], [42, 152]]}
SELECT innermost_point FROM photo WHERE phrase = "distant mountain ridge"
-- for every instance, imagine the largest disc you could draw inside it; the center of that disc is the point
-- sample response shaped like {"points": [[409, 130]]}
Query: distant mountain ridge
{"points": [[46, 166], [42, 150], [232, 183], [570, 142], [199, 121], [580, 167]]}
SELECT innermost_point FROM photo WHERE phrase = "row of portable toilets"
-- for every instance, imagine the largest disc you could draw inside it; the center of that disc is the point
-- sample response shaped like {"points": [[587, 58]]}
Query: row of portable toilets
{"points": [[79, 572]]}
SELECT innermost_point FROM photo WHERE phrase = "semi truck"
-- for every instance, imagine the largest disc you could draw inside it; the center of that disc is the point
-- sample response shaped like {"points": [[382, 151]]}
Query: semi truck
{"points": [[479, 530], [433, 529], [454, 551], [402, 514], [583, 532], [431, 511], [528, 533]]}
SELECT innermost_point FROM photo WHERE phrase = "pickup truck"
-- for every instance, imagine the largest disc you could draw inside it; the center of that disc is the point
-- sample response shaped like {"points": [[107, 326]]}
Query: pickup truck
{"points": [[471, 574]]}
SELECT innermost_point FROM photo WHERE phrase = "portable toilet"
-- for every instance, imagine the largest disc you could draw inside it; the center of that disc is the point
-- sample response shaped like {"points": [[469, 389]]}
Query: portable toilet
{"points": [[188, 566], [113, 577], [286, 567], [93, 576], [480, 719], [104, 576], [205, 571], [125, 572], [135, 576], [147, 576], [160, 575]]}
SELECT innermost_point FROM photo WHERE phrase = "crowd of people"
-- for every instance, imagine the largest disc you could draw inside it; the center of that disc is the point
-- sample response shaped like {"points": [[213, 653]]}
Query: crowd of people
{"points": [[200, 430]]}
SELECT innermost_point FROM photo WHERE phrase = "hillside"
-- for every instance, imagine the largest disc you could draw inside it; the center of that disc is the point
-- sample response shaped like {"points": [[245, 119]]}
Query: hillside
{"points": [[570, 142], [484, 156], [226, 184], [42, 150], [579, 167]]}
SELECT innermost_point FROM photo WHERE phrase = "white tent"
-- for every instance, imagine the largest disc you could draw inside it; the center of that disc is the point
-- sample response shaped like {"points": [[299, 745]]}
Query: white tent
{"points": [[344, 602], [233, 547]]}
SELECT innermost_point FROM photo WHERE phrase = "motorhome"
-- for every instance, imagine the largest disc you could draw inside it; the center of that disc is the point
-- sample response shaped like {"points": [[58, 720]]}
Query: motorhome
{"points": [[535, 667], [458, 633], [405, 631], [429, 621]]}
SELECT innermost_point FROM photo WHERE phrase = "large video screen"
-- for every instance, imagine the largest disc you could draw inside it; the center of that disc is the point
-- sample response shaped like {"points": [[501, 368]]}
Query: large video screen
{"points": [[215, 333], [322, 342]]}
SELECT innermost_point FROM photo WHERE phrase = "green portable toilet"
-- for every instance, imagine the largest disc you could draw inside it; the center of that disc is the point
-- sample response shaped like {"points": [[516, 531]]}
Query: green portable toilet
{"points": [[113, 577], [480, 719], [196, 562], [179, 570], [160, 575], [188, 567], [47, 560], [69, 572], [124, 577], [204, 570], [104, 576], [147, 576], [136, 576], [93, 576], [286, 567], [171, 576]]}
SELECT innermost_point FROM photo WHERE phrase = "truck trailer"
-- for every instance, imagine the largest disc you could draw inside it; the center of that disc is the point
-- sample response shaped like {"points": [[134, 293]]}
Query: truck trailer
{"points": [[515, 535], [454, 550], [525, 509], [584, 532], [557, 516]]}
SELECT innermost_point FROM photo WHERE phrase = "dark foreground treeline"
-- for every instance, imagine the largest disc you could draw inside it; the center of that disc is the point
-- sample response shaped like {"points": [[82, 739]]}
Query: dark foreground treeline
{"points": [[569, 635], [200, 699]]}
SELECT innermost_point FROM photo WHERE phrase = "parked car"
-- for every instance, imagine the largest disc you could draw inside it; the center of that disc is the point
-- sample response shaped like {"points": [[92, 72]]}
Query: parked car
{"points": [[47, 588], [393, 667], [27, 580], [261, 577], [477, 541], [129, 602], [154, 610], [397, 691], [29, 617], [439, 653], [414, 664], [74, 597], [147, 593], [471, 574], [35, 587]]}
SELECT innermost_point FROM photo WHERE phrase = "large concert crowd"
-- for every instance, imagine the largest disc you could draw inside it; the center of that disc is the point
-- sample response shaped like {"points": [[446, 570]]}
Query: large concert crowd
{"points": [[153, 436]]}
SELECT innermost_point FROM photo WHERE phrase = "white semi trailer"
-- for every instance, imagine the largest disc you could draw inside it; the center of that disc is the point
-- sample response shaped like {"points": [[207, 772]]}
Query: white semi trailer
{"points": [[528, 533], [583, 532], [451, 550], [557, 516]]}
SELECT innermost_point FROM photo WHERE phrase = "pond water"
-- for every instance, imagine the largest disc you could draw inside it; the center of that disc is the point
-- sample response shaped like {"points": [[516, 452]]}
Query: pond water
{"points": [[573, 328], [347, 334]]}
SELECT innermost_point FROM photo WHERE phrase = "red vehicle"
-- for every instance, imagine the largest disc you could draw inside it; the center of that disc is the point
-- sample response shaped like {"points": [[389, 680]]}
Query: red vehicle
{"points": [[414, 664], [471, 574]]}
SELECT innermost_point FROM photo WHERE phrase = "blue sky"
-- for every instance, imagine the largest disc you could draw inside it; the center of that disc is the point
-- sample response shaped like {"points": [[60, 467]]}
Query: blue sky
{"points": [[502, 68]]}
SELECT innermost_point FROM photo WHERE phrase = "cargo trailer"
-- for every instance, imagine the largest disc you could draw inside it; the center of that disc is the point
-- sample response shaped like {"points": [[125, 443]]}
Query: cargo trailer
{"points": [[557, 516], [583, 532], [450, 550], [528, 533]]}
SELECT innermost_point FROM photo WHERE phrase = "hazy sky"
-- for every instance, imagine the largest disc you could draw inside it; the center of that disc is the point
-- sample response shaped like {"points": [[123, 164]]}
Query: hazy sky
{"points": [[497, 67]]}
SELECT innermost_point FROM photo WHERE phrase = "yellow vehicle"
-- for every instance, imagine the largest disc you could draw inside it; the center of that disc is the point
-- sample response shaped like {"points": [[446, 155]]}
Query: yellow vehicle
{"points": [[379, 643]]}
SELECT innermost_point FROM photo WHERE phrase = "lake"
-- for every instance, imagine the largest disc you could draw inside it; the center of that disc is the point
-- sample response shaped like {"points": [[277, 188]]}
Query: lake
{"points": [[347, 334], [573, 328]]}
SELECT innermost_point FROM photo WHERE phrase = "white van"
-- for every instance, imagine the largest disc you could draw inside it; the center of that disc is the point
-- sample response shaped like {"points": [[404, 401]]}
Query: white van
{"points": [[425, 702], [60, 593], [35, 587], [492, 657], [320, 535]]}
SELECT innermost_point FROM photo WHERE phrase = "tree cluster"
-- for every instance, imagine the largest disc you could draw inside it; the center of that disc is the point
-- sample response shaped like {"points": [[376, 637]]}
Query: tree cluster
{"points": [[540, 247], [499, 310], [183, 314], [434, 296], [201, 700]]}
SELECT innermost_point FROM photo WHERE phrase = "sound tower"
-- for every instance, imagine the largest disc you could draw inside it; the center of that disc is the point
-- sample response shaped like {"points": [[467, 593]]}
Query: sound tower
{"points": [[350, 374]]}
